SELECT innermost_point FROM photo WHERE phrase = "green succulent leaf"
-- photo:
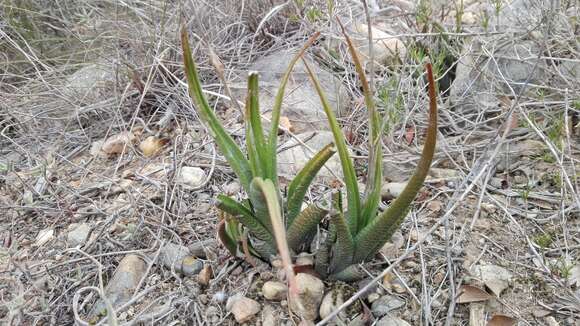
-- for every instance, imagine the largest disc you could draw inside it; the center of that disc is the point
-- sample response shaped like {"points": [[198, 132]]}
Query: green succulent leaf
{"points": [[344, 247], [337, 201], [226, 144], [299, 185], [304, 225], [349, 274], [373, 187], [380, 230], [245, 216], [259, 205], [352, 194], [322, 263], [255, 142], [277, 108], [374, 179], [226, 239]]}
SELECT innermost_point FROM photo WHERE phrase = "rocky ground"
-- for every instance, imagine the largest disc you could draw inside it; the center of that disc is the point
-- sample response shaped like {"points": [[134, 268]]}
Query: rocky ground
{"points": [[108, 178]]}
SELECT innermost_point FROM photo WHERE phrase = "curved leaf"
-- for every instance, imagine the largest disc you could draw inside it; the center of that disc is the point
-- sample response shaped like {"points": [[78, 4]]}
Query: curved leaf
{"points": [[226, 144], [352, 195], [259, 205], [344, 247], [375, 176], [276, 110], [304, 225], [380, 230], [254, 133], [336, 201], [245, 217], [224, 237], [299, 185], [350, 274]]}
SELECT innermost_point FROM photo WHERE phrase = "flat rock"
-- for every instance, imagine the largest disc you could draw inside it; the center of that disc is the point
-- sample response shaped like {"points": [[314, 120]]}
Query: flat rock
{"points": [[294, 155], [77, 234], [387, 49], [496, 278], [386, 304], [301, 103], [392, 321], [91, 82]]}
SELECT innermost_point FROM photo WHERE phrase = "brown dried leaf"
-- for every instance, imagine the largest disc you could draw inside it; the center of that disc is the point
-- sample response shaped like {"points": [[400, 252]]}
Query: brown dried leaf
{"points": [[468, 293], [410, 135], [216, 62], [286, 124], [152, 145], [116, 144], [434, 206], [502, 320], [137, 81]]}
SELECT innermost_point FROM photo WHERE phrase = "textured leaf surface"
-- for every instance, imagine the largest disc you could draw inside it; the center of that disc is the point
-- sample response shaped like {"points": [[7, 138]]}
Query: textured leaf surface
{"points": [[245, 217], [375, 175], [277, 107], [380, 230], [352, 195], [299, 185], [344, 247], [304, 225], [226, 144]]}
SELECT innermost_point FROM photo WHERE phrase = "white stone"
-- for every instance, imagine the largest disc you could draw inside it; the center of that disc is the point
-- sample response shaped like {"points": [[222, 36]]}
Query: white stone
{"points": [[310, 293], [243, 309], [191, 177], [301, 103], [387, 49], [294, 155], [392, 190], [275, 291]]}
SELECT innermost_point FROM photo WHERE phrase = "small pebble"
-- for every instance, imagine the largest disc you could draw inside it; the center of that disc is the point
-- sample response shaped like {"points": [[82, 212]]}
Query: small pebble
{"points": [[275, 291], [243, 309]]}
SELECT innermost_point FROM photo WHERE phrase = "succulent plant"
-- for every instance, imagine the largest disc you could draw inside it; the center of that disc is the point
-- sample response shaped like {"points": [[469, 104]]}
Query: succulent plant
{"points": [[357, 234], [260, 224]]}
